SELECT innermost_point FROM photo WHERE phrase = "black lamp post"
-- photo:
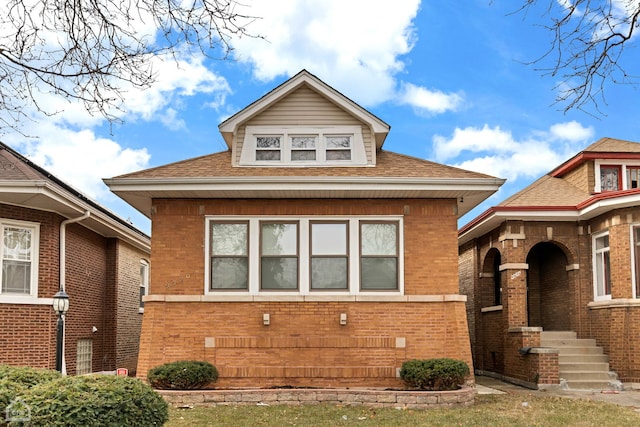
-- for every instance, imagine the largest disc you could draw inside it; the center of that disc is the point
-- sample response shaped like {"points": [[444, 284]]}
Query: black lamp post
{"points": [[60, 306]]}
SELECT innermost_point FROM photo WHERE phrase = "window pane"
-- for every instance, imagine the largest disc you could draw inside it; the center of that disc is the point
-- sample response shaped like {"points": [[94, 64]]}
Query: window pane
{"points": [[379, 274], [229, 273], [279, 239], [267, 155], [338, 142], [268, 142], [633, 177], [602, 242], [303, 142], [329, 273], [303, 155], [328, 239], [17, 243], [229, 239], [609, 178], [16, 277], [338, 155], [279, 273], [378, 239]]}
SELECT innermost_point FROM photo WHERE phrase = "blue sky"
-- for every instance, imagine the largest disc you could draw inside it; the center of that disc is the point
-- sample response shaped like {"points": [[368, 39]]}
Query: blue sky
{"points": [[451, 80]]}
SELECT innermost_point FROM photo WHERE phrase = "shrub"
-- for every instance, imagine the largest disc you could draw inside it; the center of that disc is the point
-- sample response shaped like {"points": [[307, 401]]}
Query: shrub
{"points": [[434, 374], [95, 400], [27, 376], [182, 375]]}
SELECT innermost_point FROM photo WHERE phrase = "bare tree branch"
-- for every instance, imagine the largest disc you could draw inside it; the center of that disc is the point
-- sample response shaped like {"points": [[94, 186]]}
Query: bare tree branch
{"points": [[89, 50], [588, 47]]}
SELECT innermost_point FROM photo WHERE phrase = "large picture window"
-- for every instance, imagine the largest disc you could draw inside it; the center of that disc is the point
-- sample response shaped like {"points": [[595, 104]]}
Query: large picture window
{"points": [[229, 255], [602, 267], [379, 256], [19, 259], [294, 255]]}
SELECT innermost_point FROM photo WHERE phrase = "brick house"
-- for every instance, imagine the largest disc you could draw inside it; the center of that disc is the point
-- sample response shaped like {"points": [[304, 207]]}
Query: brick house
{"points": [[104, 264], [304, 254], [552, 272]]}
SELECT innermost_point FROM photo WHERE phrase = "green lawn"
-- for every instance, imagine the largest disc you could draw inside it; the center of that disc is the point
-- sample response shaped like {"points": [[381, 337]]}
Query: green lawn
{"points": [[489, 410]]}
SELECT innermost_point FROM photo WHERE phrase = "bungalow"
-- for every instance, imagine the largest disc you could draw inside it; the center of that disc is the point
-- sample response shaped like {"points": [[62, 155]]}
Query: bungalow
{"points": [[552, 274], [55, 237], [305, 254]]}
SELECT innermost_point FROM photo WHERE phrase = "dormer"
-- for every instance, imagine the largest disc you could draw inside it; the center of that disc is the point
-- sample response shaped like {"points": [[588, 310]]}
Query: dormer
{"points": [[304, 123], [605, 166]]}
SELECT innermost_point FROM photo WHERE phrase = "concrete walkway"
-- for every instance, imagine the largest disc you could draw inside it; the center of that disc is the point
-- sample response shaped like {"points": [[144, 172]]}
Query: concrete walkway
{"points": [[489, 385]]}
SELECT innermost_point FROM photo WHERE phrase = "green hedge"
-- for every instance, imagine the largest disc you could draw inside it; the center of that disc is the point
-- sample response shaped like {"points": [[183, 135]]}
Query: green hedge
{"points": [[49, 399], [182, 375], [434, 374], [95, 400]]}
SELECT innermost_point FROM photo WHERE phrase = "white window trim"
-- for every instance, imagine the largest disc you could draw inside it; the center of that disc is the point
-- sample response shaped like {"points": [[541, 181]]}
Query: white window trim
{"points": [[32, 297], [597, 297], [144, 262], [613, 162], [304, 256], [358, 153], [633, 253]]}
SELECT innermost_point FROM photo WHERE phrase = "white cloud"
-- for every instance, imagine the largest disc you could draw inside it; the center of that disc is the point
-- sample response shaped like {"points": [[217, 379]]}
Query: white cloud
{"points": [[355, 45], [430, 101], [80, 158], [496, 152]]}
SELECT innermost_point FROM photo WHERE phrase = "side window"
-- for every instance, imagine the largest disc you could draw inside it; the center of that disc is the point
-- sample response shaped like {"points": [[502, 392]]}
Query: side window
{"points": [[601, 267], [378, 256], [329, 255], [338, 147], [269, 148], [144, 282], [229, 256], [19, 259], [633, 177], [636, 263], [279, 255]]}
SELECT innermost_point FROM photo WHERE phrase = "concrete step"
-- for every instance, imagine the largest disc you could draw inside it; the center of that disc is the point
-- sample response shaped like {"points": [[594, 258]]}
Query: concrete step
{"points": [[557, 335], [584, 366], [586, 358], [571, 376], [588, 385], [578, 350], [572, 342]]}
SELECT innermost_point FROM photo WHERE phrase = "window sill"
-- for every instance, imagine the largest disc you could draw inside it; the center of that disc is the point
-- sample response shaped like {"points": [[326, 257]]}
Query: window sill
{"points": [[25, 299], [614, 303], [490, 309], [307, 298]]}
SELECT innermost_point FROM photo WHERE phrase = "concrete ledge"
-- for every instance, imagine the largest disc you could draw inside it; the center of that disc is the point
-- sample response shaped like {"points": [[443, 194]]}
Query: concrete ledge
{"points": [[342, 396], [304, 298]]}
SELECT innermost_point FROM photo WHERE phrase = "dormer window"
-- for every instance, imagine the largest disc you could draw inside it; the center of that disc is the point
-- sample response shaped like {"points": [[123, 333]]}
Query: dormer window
{"points": [[613, 176], [303, 146], [610, 178]]}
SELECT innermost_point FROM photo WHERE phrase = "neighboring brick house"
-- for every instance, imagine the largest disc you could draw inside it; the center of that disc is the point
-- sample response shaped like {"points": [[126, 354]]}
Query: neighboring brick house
{"points": [[561, 255], [304, 255], [105, 264]]}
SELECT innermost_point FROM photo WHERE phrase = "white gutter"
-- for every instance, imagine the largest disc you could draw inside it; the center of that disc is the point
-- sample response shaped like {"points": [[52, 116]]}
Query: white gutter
{"points": [[63, 260], [63, 245]]}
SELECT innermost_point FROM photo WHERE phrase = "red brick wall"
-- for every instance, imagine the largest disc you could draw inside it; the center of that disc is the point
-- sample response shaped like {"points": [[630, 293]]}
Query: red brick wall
{"points": [[304, 345], [28, 332]]}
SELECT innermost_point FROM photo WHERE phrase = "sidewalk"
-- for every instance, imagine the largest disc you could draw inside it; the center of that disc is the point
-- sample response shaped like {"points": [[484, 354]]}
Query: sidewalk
{"points": [[489, 385]]}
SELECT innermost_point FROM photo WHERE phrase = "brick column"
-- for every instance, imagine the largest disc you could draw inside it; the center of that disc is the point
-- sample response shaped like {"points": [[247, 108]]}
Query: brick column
{"points": [[514, 293]]}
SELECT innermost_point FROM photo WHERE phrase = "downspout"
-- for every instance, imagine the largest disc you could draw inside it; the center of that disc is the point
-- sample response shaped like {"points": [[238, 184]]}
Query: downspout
{"points": [[63, 262]]}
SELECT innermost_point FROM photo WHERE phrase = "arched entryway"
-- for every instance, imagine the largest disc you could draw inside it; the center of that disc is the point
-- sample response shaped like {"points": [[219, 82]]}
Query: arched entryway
{"points": [[491, 357], [548, 295]]}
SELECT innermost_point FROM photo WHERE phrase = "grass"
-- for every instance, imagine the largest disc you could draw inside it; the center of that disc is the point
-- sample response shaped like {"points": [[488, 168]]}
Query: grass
{"points": [[489, 410]]}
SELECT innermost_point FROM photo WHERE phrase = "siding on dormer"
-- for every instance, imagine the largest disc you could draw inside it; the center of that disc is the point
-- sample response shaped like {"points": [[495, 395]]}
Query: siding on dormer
{"points": [[303, 107]]}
